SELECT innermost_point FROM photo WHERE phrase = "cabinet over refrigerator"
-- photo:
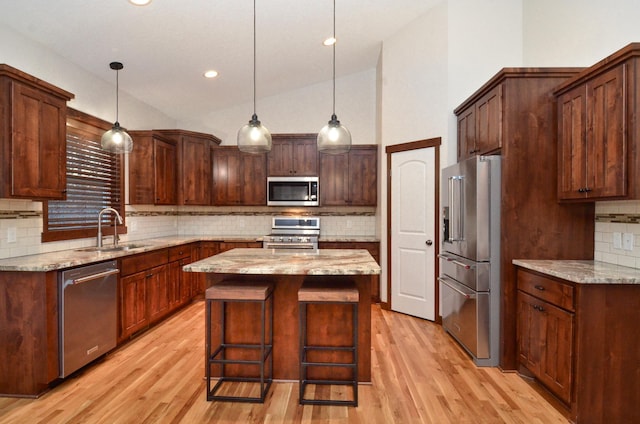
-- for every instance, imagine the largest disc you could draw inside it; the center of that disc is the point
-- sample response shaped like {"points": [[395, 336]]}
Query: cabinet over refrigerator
{"points": [[470, 256]]}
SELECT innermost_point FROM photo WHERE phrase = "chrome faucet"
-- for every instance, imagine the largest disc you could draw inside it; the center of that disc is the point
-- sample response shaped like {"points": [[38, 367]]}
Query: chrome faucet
{"points": [[115, 227]]}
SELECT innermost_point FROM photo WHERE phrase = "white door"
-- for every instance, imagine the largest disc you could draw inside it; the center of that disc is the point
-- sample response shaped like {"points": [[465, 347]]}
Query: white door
{"points": [[413, 247]]}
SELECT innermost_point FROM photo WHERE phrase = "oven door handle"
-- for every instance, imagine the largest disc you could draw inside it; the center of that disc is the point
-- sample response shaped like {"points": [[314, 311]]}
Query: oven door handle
{"points": [[289, 246], [457, 287]]}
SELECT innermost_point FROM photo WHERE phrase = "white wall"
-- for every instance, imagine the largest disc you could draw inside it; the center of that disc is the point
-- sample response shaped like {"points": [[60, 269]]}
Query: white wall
{"points": [[304, 110], [435, 63], [93, 95], [577, 32]]}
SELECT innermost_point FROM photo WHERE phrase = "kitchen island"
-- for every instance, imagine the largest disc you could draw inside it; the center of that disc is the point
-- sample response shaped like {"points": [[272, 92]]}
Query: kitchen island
{"points": [[287, 269]]}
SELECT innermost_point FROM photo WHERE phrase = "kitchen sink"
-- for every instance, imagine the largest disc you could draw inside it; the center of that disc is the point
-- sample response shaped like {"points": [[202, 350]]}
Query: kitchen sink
{"points": [[111, 248]]}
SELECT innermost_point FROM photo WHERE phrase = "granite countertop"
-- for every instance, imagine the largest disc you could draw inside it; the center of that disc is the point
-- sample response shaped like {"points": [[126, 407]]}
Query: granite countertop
{"points": [[583, 272], [288, 261]]}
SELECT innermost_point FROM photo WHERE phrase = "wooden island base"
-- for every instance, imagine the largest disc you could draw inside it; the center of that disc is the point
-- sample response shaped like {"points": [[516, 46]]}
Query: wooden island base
{"points": [[324, 322]]}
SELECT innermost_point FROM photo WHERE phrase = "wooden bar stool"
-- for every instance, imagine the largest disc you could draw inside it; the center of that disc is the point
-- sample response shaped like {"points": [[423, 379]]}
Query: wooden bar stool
{"points": [[326, 292], [260, 353]]}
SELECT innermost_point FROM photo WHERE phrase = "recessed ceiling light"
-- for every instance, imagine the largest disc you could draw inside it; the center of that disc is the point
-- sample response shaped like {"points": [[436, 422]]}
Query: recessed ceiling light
{"points": [[211, 74], [329, 41], [140, 2]]}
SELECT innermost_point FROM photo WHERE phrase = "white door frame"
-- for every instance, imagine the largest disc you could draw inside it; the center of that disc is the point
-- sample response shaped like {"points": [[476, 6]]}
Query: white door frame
{"points": [[420, 144]]}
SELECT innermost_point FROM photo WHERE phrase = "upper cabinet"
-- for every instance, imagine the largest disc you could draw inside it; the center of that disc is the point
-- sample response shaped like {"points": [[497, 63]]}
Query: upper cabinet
{"points": [[153, 169], [170, 167], [33, 117], [238, 178], [350, 179], [293, 154], [480, 123], [598, 128]]}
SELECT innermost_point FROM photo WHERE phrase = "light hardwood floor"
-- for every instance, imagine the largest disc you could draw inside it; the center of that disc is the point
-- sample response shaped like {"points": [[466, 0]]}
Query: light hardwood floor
{"points": [[419, 376]]}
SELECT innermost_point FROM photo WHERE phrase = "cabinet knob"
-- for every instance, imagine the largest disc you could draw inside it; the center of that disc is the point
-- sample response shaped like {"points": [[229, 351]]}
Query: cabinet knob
{"points": [[538, 308], [429, 242], [539, 287]]}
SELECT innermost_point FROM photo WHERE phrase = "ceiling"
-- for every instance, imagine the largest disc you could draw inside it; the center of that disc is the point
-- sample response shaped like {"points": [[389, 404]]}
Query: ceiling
{"points": [[166, 46]]}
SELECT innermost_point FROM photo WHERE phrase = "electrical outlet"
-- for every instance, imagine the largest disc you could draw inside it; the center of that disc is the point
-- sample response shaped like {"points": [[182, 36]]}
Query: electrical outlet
{"points": [[627, 241], [617, 240], [11, 235]]}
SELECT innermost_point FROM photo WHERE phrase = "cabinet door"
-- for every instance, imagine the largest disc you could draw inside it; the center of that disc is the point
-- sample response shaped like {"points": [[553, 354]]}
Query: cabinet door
{"points": [[305, 157], [334, 179], [545, 341], [227, 182], [142, 169], [133, 303], [38, 147], [179, 284], [572, 154], [606, 135], [489, 118], [157, 280], [165, 165], [295, 154], [254, 179], [363, 181], [196, 171], [280, 158], [467, 134]]}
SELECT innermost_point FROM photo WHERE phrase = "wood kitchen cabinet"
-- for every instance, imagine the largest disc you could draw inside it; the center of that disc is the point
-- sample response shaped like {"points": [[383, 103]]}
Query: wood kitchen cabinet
{"points": [[293, 155], [238, 178], [598, 155], [532, 223], [153, 169], [545, 332], [580, 342], [480, 124], [350, 179], [179, 281], [32, 137], [143, 290]]}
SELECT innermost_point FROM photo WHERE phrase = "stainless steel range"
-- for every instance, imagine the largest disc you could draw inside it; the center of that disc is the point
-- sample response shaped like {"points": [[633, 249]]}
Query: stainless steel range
{"points": [[292, 232]]}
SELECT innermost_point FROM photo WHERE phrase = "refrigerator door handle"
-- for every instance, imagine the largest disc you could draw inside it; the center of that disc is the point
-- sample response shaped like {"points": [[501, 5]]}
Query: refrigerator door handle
{"points": [[468, 294], [456, 203]]}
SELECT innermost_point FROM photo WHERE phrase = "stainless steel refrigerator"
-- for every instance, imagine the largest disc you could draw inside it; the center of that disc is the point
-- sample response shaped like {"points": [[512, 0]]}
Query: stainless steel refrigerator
{"points": [[470, 256]]}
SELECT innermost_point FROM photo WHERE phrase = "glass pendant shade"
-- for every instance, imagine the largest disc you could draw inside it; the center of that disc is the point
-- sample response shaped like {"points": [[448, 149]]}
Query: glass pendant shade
{"points": [[117, 140], [254, 137], [334, 138]]}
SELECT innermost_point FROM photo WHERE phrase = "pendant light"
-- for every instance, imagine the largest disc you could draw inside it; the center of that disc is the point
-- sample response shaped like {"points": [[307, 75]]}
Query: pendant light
{"points": [[334, 138], [116, 140], [254, 137]]}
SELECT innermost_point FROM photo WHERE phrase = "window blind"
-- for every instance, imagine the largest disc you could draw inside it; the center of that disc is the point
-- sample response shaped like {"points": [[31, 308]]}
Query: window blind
{"points": [[94, 181]]}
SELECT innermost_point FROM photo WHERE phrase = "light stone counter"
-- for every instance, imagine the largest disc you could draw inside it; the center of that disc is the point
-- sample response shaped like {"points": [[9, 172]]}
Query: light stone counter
{"points": [[583, 272], [51, 261], [288, 262]]}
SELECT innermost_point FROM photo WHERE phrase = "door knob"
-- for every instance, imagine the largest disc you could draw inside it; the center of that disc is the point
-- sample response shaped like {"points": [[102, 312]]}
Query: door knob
{"points": [[429, 242]]}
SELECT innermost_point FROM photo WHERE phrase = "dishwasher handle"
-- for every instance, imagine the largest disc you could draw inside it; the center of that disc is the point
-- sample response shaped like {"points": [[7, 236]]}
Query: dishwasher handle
{"points": [[94, 276]]}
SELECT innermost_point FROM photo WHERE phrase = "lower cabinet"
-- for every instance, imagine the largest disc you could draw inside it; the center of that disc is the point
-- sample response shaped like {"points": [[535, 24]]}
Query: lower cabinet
{"points": [[581, 342], [179, 281]]}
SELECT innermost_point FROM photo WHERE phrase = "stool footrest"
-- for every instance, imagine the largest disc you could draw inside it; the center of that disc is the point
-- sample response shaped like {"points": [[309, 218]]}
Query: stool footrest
{"points": [[212, 358], [265, 384]]}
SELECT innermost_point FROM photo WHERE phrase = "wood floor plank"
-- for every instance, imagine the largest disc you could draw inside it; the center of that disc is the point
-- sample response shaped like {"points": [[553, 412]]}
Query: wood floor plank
{"points": [[419, 375]]}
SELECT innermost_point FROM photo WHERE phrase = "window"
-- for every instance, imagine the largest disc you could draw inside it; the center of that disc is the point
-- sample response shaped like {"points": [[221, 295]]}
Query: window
{"points": [[94, 181]]}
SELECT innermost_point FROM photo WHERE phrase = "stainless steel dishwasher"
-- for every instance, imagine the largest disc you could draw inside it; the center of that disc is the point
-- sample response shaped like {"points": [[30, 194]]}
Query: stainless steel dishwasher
{"points": [[88, 314]]}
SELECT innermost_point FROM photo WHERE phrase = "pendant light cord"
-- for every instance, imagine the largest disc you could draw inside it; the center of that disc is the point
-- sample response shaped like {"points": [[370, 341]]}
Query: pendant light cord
{"points": [[117, 94], [254, 57], [334, 56]]}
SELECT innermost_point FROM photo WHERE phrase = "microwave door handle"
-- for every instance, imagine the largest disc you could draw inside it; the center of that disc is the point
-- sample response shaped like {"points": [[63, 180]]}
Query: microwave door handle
{"points": [[456, 203]]}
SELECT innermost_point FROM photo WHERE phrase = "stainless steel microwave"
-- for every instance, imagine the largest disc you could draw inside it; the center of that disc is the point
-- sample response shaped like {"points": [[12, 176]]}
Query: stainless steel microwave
{"points": [[292, 191]]}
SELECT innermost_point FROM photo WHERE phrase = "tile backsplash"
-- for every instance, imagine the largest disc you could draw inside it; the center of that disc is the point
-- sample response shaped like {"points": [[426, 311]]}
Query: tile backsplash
{"points": [[616, 223], [21, 224]]}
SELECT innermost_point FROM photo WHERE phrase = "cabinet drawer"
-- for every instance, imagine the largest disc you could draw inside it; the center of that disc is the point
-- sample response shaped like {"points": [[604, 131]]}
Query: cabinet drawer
{"points": [[179, 252], [552, 291], [137, 263]]}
